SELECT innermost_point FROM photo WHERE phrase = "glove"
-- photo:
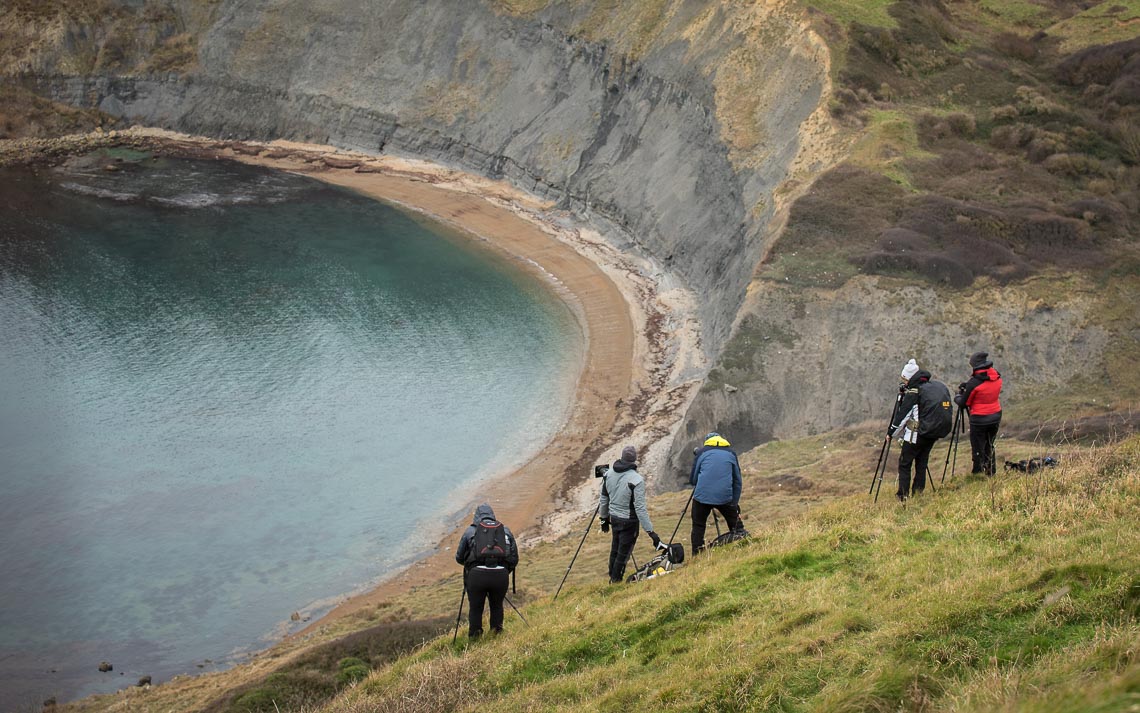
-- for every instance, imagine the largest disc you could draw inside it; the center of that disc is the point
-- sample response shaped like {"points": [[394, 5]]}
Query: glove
{"points": [[653, 536], [890, 431], [605, 525]]}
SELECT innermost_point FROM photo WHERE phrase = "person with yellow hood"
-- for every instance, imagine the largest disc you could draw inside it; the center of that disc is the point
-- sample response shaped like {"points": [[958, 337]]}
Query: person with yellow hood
{"points": [[716, 485]]}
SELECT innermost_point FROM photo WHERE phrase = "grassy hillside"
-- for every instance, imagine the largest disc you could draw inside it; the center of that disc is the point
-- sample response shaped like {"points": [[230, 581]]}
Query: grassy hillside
{"points": [[1016, 593]]}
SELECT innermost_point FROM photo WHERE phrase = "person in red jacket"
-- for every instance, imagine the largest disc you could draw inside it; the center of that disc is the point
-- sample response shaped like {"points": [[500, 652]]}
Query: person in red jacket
{"points": [[979, 395]]}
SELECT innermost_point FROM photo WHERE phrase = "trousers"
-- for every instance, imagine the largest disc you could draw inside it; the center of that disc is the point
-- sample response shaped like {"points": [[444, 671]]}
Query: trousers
{"points": [[486, 585]]}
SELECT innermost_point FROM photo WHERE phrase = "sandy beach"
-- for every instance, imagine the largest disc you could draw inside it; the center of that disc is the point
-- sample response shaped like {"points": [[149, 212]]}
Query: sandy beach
{"points": [[629, 388], [642, 355]]}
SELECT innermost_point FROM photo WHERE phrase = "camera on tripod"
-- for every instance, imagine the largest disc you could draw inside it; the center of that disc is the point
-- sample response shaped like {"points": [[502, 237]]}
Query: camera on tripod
{"points": [[600, 470]]}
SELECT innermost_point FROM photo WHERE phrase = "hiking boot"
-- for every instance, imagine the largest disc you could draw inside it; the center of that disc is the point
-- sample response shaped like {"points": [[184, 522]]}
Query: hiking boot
{"points": [[474, 634], [901, 497]]}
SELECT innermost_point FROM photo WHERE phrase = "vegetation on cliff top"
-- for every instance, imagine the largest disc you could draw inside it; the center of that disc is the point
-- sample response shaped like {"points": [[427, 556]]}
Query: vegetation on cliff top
{"points": [[993, 141]]}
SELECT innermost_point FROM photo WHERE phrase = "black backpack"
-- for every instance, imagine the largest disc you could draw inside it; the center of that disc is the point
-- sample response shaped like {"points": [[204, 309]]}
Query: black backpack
{"points": [[935, 417], [489, 545]]}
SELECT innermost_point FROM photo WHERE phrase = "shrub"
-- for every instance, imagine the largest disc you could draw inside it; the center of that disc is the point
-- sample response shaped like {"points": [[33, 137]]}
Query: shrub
{"points": [[1127, 134], [1015, 46], [962, 124], [1012, 136]]}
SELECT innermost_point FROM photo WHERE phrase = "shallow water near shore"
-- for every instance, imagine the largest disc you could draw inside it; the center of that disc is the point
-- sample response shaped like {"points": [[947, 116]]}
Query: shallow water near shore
{"points": [[228, 394]]}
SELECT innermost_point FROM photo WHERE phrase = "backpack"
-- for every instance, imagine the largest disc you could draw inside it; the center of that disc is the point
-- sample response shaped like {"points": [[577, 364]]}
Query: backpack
{"points": [[488, 545], [730, 536], [935, 417]]}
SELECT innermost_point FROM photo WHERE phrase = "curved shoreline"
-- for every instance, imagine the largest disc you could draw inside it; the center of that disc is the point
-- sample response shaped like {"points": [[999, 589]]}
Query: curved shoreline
{"points": [[630, 385], [641, 360], [540, 485]]}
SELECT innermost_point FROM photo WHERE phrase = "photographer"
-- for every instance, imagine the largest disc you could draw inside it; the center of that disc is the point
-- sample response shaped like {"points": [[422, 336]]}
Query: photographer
{"points": [[716, 484], [622, 508], [980, 396], [922, 416]]}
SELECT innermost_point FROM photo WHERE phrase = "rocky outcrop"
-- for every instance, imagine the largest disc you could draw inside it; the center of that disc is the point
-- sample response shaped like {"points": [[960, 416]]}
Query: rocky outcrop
{"points": [[671, 139], [805, 361]]}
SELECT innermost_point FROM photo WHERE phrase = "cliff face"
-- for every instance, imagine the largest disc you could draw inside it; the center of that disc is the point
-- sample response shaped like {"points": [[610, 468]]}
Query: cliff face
{"points": [[672, 137]]}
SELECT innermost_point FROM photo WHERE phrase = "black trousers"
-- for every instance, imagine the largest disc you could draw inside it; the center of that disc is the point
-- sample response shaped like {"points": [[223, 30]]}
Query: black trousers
{"points": [[701, 517], [919, 455], [485, 585], [624, 534], [982, 437]]}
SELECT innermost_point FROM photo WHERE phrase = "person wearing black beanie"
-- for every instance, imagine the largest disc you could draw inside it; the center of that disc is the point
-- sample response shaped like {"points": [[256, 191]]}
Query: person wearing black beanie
{"points": [[980, 396]]}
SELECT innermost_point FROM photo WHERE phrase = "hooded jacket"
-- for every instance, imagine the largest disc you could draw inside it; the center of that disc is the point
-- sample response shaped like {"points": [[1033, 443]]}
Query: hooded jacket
{"points": [[623, 494], [484, 513], [716, 476], [981, 393]]}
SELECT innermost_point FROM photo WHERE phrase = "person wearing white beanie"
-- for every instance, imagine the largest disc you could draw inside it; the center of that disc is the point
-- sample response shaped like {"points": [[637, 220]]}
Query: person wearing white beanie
{"points": [[923, 416]]}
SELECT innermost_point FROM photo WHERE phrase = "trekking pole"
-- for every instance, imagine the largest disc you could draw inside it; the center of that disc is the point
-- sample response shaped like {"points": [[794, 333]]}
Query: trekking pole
{"points": [[683, 510], [577, 551], [459, 616], [508, 600], [930, 479], [953, 444]]}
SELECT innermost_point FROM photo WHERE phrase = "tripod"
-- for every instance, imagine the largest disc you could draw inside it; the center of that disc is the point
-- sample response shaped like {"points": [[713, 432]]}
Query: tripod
{"points": [[591, 524], [884, 453], [956, 431]]}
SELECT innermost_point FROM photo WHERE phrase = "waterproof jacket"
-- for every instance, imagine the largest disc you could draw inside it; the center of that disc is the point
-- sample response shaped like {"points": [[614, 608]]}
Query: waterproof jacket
{"points": [[484, 513], [921, 389], [980, 394], [623, 495], [716, 476]]}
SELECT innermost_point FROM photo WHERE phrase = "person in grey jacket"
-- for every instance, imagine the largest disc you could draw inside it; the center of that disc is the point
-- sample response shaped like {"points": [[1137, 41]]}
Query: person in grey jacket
{"points": [[622, 508]]}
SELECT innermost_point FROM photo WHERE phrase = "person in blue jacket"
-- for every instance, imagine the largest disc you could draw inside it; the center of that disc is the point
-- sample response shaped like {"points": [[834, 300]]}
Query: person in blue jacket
{"points": [[716, 484]]}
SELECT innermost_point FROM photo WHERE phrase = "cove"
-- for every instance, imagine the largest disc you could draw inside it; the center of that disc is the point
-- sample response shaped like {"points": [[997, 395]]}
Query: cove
{"points": [[228, 394]]}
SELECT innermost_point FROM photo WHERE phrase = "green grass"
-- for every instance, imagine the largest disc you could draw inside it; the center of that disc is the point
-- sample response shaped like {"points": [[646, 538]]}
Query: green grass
{"points": [[1014, 593], [867, 12], [1106, 22]]}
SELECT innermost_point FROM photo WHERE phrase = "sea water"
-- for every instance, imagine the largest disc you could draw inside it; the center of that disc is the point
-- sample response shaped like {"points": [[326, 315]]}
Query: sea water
{"points": [[229, 394]]}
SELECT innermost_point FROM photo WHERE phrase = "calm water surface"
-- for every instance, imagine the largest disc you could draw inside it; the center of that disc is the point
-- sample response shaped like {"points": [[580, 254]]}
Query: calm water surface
{"points": [[228, 394]]}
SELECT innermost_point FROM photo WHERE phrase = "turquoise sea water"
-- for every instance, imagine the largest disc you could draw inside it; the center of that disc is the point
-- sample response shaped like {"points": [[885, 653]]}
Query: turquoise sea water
{"points": [[228, 394]]}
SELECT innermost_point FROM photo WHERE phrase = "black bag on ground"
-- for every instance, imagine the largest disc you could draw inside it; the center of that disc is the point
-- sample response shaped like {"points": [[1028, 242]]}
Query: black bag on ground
{"points": [[935, 414], [488, 545], [730, 536]]}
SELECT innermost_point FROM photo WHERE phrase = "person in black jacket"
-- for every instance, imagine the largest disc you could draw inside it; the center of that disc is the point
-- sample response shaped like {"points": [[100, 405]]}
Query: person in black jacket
{"points": [[921, 417], [488, 553]]}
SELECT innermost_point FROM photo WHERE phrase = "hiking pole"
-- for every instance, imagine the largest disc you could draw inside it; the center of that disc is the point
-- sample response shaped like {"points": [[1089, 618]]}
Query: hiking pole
{"points": [[577, 551], [508, 600], [459, 616], [930, 479]]}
